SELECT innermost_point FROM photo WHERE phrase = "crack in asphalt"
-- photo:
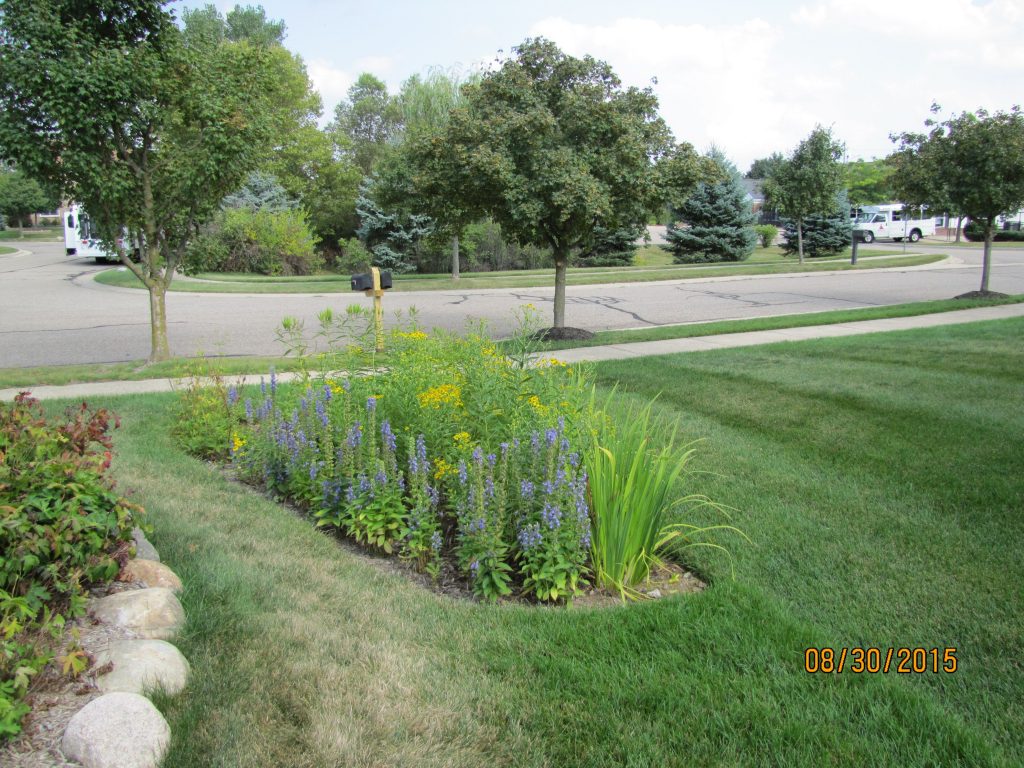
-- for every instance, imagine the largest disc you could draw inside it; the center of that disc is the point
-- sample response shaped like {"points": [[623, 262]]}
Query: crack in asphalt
{"points": [[750, 301], [89, 328]]}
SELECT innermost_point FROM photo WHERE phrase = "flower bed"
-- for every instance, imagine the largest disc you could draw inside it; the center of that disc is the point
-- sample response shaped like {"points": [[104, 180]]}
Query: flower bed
{"points": [[455, 451]]}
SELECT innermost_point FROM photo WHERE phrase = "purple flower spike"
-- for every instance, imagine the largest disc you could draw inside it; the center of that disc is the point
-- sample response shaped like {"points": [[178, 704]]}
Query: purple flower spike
{"points": [[371, 404]]}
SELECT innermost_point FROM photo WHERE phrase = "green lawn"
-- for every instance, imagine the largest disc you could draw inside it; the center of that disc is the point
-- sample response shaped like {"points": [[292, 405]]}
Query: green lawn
{"points": [[52, 234], [4, 250], [761, 263], [879, 478]]}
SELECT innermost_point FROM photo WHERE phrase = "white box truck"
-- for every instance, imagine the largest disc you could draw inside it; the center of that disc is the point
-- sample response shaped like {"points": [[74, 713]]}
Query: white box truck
{"points": [[891, 221], [82, 241]]}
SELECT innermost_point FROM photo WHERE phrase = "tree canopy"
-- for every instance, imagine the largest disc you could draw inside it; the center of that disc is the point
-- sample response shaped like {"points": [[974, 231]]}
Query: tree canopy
{"points": [[970, 164], [764, 167], [369, 118], [868, 182], [552, 147], [21, 195], [109, 100], [807, 182]]}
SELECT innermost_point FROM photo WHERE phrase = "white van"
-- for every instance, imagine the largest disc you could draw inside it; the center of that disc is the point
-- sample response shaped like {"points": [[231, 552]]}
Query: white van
{"points": [[83, 242], [889, 221]]}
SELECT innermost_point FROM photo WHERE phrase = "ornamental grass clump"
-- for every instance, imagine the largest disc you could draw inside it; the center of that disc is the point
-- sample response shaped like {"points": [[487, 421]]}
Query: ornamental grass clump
{"points": [[632, 493]]}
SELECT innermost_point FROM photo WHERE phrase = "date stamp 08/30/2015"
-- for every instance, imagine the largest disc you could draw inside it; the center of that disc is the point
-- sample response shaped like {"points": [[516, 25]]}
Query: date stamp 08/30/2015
{"points": [[903, 661]]}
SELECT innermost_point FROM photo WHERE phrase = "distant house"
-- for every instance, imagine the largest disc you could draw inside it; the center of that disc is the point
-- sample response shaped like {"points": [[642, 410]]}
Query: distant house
{"points": [[754, 189]]}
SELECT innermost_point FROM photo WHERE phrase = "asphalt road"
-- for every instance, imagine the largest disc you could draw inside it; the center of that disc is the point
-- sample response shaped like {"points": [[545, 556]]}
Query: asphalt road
{"points": [[52, 312]]}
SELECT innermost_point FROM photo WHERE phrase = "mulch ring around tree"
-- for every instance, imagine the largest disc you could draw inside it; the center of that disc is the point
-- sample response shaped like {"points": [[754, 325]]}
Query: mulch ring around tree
{"points": [[563, 334], [982, 295]]}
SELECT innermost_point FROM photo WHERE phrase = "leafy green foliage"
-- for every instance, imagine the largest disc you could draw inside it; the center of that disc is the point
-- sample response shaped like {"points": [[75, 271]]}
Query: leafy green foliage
{"points": [[485, 248], [868, 182], [551, 147], [366, 121], [263, 242], [807, 183], [766, 234], [976, 233], [765, 167], [205, 422], [612, 248], [718, 220], [822, 236], [20, 196], [261, 192], [64, 528], [970, 164]]}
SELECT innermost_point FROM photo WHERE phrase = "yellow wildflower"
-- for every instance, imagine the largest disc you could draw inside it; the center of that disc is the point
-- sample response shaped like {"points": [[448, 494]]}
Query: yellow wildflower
{"points": [[415, 335], [538, 406], [443, 394], [237, 442], [462, 438], [442, 468]]}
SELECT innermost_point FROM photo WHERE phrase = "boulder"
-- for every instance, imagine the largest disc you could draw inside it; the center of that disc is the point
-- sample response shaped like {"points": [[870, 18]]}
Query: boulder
{"points": [[143, 549], [140, 666], [153, 613], [118, 729], [152, 574]]}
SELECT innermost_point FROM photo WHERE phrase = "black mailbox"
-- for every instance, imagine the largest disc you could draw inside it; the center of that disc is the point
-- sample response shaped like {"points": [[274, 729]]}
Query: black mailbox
{"points": [[858, 236], [363, 282]]}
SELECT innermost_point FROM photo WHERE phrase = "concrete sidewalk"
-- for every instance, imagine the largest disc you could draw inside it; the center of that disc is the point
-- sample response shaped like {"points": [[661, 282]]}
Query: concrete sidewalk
{"points": [[595, 354]]}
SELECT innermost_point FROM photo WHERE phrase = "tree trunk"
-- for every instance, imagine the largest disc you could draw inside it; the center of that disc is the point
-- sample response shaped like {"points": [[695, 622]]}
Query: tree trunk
{"points": [[800, 238], [959, 227], [159, 349], [455, 258], [986, 259], [561, 267]]}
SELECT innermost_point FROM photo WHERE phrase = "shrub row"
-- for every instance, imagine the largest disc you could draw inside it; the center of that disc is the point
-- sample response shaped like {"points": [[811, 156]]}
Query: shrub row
{"points": [[63, 528]]}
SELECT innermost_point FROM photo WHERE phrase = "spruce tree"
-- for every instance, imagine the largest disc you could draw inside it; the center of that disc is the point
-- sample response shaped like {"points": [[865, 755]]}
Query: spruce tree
{"points": [[823, 235], [391, 236], [718, 219]]}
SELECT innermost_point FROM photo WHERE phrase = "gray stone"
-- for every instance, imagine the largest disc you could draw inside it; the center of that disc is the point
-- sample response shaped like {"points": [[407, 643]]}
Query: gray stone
{"points": [[140, 666], [153, 613], [119, 729], [143, 549], [152, 574], [655, 593]]}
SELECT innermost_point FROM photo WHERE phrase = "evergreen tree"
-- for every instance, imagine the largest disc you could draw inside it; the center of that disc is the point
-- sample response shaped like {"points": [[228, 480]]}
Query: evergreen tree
{"points": [[261, 192], [392, 237], [823, 235], [612, 248], [718, 218]]}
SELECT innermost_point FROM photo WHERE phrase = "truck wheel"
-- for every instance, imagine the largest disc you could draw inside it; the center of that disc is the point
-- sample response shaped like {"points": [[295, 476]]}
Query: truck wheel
{"points": [[915, 236], [869, 237]]}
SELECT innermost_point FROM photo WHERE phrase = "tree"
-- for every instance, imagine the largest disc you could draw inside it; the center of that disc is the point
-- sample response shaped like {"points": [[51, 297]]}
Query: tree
{"points": [[718, 218], [552, 147], [369, 118], [109, 101], [391, 236], [261, 192], [808, 181], [249, 23], [764, 167], [971, 164], [21, 196], [867, 182], [822, 235]]}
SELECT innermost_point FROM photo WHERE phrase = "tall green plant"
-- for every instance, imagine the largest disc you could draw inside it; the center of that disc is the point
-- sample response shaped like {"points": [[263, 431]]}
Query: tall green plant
{"points": [[631, 486]]}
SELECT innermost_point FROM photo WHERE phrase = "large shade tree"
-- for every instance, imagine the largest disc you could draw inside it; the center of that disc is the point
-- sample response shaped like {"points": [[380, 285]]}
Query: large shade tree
{"points": [[107, 100], [554, 149], [971, 164], [807, 182]]}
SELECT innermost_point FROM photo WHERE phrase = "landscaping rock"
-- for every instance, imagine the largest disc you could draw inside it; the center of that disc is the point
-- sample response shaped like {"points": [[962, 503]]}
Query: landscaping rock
{"points": [[143, 549], [152, 574], [118, 729], [139, 666], [153, 613]]}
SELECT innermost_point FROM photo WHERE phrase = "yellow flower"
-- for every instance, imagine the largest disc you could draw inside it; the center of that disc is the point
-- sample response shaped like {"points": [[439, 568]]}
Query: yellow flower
{"points": [[538, 406], [554, 361], [415, 335], [443, 468], [488, 351], [462, 438], [441, 395], [237, 442]]}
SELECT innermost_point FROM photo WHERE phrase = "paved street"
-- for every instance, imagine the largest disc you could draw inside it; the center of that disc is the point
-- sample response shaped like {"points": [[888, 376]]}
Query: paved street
{"points": [[51, 311]]}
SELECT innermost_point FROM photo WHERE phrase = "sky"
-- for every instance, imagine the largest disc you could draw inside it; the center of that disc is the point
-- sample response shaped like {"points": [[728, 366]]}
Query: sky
{"points": [[751, 78]]}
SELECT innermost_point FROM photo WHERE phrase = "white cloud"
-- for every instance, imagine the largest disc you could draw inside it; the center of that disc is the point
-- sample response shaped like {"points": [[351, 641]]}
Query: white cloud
{"points": [[331, 82], [755, 86]]}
